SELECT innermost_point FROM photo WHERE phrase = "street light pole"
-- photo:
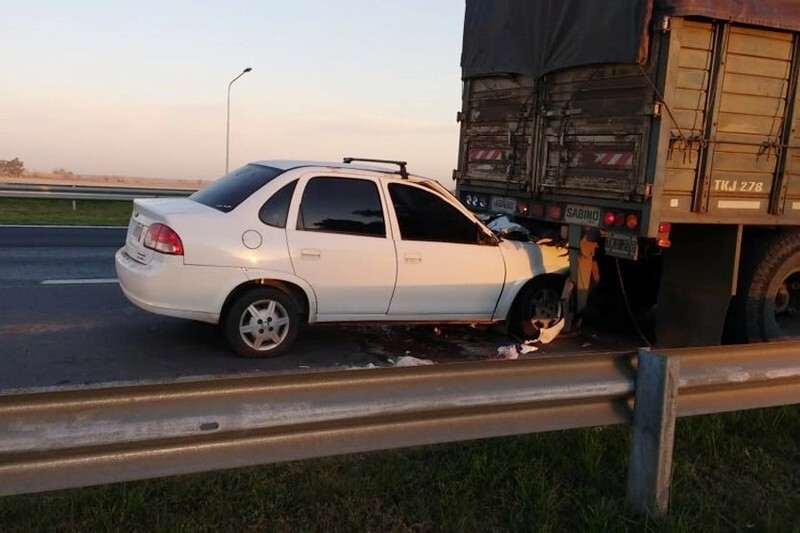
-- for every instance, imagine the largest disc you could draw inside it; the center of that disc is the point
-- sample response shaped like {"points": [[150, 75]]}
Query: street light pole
{"points": [[228, 123]]}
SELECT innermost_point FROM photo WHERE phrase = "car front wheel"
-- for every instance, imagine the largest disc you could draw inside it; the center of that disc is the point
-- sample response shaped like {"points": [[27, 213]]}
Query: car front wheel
{"points": [[539, 306], [262, 323]]}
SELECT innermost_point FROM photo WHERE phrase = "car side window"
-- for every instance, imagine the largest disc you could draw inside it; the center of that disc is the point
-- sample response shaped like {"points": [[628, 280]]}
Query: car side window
{"points": [[424, 216], [276, 209], [342, 205]]}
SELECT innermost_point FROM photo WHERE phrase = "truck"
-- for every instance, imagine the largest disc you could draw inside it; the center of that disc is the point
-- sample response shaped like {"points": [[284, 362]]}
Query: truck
{"points": [[659, 138]]}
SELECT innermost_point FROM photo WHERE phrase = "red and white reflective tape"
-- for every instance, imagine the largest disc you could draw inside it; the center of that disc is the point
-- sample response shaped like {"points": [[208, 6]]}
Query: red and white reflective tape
{"points": [[613, 158], [485, 155]]}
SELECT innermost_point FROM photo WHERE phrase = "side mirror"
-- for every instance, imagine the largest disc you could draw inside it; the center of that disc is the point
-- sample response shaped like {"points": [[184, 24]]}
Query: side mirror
{"points": [[485, 239]]}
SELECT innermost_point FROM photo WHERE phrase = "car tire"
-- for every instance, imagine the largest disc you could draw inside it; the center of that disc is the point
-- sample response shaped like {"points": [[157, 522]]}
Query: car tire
{"points": [[262, 323], [538, 306]]}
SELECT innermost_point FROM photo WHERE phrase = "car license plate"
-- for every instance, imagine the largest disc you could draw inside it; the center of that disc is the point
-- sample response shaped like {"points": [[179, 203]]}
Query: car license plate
{"points": [[583, 215], [501, 204], [622, 246]]}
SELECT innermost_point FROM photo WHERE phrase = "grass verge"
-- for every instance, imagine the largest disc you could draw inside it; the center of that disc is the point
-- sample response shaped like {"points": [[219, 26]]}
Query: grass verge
{"points": [[61, 212], [733, 472]]}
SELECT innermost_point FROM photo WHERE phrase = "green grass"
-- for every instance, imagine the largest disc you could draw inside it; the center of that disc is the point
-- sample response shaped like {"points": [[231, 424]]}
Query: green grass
{"points": [[733, 472], [47, 211]]}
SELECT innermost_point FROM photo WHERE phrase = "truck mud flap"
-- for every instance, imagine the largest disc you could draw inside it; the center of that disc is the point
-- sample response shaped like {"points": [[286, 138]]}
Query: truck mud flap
{"points": [[696, 285]]}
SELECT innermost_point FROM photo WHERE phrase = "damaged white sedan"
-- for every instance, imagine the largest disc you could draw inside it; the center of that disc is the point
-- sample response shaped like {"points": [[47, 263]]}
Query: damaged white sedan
{"points": [[278, 244]]}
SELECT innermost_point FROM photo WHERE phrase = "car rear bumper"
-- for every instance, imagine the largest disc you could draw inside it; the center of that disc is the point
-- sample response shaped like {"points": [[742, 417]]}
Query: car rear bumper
{"points": [[166, 286]]}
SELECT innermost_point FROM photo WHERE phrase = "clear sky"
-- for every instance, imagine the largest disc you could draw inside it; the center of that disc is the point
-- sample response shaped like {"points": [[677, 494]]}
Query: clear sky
{"points": [[139, 88]]}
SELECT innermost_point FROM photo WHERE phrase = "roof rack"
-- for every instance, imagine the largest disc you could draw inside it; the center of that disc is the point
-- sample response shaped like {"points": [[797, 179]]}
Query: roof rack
{"points": [[402, 164]]}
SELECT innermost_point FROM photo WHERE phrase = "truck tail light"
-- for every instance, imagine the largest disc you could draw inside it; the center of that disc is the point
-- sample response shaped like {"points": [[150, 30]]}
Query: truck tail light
{"points": [[663, 235], [163, 239], [609, 218], [631, 221], [555, 212], [538, 210], [522, 208]]}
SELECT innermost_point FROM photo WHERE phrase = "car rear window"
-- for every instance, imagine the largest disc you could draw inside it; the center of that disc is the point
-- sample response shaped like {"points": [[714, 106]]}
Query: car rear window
{"points": [[229, 191]]}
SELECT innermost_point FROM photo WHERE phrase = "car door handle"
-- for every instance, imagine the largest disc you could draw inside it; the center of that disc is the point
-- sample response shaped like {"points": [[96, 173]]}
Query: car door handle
{"points": [[310, 253], [412, 258]]}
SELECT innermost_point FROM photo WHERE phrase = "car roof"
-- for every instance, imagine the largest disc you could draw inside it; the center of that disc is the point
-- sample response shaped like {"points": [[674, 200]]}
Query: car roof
{"points": [[288, 164]]}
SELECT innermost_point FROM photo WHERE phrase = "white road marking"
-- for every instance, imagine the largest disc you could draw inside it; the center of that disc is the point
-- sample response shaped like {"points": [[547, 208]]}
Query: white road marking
{"points": [[95, 281]]}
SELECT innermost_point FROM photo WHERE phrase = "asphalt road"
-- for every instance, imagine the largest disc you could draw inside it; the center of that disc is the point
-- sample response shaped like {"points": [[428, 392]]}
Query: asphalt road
{"points": [[64, 322]]}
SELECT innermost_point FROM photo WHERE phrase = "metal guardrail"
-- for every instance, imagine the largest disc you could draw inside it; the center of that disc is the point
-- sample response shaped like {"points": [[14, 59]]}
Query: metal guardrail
{"points": [[52, 439], [81, 192]]}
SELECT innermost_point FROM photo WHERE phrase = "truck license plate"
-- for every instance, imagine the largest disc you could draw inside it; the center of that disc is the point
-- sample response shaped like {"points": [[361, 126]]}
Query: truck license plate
{"points": [[500, 204], [583, 215], [622, 246]]}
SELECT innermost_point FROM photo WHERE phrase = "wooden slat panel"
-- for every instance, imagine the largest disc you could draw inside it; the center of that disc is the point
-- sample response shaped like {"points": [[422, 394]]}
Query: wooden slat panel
{"points": [[679, 180], [768, 44], [754, 85], [692, 79], [726, 161], [683, 159], [689, 99], [736, 123], [752, 105], [688, 119], [794, 178], [696, 35], [768, 68], [696, 59]]}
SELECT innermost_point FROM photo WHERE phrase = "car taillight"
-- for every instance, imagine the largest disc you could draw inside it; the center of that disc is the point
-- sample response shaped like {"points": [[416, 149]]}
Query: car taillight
{"points": [[163, 239]]}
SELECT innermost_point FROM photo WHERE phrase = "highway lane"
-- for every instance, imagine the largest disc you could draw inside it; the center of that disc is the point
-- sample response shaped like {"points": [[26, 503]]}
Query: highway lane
{"points": [[64, 322]]}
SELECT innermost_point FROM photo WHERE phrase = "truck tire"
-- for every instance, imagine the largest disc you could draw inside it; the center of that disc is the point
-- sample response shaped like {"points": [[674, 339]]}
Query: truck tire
{"points": [[769, 289]]}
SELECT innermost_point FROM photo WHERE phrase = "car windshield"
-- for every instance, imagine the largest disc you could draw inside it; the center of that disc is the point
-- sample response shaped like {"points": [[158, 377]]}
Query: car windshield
{"points": [[235, 187]]}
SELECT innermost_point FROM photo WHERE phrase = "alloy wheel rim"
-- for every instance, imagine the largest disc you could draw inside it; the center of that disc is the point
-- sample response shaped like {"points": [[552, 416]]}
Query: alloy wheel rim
{"points": [[264, 325]]}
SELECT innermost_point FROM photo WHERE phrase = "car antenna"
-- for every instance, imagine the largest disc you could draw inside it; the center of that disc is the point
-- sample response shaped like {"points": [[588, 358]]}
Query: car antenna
{"points": [[402, 164]]}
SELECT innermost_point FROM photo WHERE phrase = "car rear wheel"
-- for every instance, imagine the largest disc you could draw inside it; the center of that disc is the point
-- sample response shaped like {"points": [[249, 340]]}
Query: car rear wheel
{"points": [[539, 306], [262, 323]]}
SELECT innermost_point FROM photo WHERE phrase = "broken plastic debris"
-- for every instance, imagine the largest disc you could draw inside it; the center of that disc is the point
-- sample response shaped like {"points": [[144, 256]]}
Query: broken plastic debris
{"points": [[513, 351], [408, 360], [546, 335]]}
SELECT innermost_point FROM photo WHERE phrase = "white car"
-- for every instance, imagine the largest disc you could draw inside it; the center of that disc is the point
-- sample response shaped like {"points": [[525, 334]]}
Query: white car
{"points": [[276, 244]]}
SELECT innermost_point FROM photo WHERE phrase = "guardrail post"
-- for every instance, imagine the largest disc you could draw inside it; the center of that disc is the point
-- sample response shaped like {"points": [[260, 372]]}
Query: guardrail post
{"points": [[650, 470]]}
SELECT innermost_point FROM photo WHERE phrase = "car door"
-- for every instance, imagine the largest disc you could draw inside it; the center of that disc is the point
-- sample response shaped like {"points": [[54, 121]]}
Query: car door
{"points": [[443, 268], [340, 244]]}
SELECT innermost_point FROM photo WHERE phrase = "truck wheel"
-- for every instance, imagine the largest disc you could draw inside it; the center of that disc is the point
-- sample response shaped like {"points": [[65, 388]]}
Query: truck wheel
{"points": [[538, 306], [262, 322], [770, 287]]}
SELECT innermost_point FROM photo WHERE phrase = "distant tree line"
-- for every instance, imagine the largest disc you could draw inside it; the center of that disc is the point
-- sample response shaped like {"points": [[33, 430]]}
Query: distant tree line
{"points": [[13, 168]]}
